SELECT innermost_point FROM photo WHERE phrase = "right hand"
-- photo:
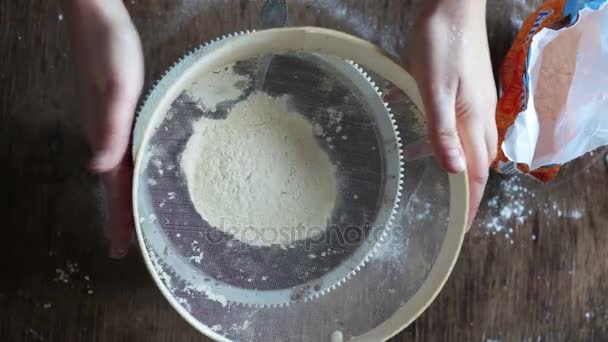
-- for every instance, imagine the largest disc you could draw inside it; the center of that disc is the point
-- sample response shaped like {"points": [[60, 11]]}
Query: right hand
{"points": [[450, 61]]}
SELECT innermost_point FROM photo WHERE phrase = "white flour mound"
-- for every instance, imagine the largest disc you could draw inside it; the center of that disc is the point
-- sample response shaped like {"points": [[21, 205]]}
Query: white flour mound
{"points": [[259, 174]]}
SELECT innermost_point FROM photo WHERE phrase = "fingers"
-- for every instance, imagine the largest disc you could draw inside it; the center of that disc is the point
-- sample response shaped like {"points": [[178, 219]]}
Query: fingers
{"points": [[112, 131], [451, 64], [476, 151], [461, 130], [111, 74], [118, 93], [437, 80], [477, 130], [118, 183], [439, 102]]}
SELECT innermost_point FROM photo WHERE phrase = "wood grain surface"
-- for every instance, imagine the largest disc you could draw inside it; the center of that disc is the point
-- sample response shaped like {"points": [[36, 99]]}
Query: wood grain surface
{"points": [[543, 281]]}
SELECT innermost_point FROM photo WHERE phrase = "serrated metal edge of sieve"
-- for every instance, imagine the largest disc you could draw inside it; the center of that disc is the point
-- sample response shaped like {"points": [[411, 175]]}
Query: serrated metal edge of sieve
{"points": [[389, 224], [177, 64]]}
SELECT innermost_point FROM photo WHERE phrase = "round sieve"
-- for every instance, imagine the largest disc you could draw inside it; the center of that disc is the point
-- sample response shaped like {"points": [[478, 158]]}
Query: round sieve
{"points": [[232, 290]]}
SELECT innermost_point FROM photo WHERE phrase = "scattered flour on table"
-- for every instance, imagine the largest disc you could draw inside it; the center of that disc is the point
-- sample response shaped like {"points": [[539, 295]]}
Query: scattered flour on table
{"points": [[507, 207], [259, 174], [72, 273], [512, 207]]}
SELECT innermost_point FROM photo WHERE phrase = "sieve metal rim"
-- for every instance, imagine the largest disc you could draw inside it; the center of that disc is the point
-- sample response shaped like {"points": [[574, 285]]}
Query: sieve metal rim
{"points": [[313, 39]]}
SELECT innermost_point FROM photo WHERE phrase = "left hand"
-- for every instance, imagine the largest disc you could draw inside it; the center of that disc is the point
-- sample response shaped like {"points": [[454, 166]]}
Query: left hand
{"points": [[109, 62]]}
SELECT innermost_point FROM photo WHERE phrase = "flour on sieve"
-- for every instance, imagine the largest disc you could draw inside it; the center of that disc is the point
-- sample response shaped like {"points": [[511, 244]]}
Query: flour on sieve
{"points": [[260, 174], [218, 86]]}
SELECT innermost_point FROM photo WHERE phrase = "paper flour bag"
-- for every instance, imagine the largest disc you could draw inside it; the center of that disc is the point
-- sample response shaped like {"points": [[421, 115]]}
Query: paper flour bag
{"points": [[554, 89]]}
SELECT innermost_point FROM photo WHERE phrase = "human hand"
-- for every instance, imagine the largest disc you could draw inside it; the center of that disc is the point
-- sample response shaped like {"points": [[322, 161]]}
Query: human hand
{"points": [[450, 61], [109, 63]]}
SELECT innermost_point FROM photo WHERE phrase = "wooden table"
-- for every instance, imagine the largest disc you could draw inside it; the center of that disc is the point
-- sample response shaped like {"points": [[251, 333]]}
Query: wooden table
{"points": [[544, 281]]}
